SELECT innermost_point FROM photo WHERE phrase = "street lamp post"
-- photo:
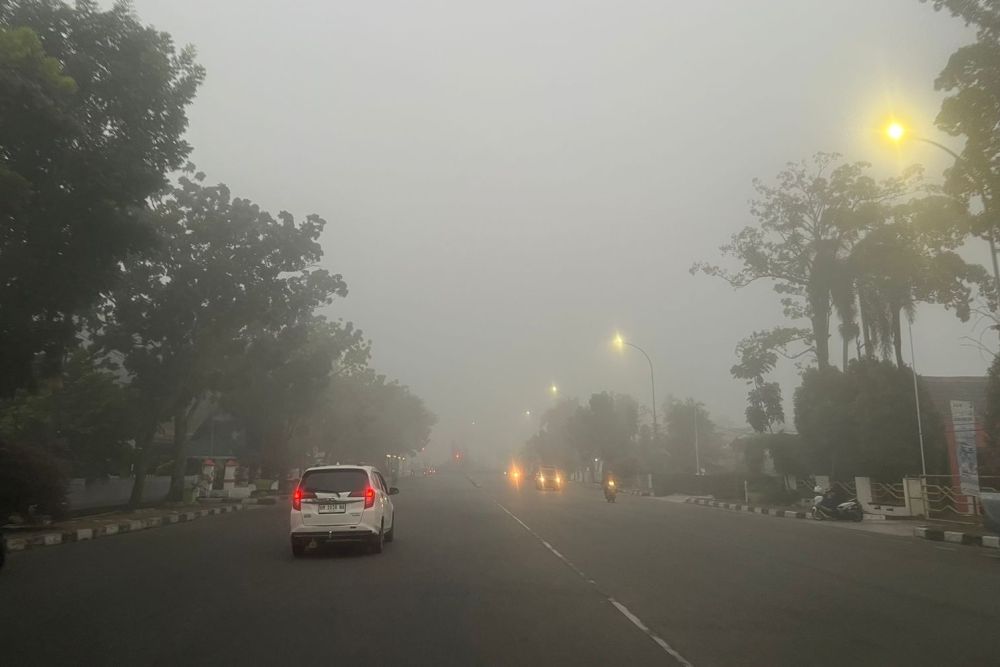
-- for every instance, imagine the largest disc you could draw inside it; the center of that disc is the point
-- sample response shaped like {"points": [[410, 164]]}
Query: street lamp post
{"points": [[896, 132], [621, 343]]}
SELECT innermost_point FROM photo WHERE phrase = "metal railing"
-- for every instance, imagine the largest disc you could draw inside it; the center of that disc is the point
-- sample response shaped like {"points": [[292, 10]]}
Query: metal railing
{"points": [[888, 494], [847, 488], [945, 496]]}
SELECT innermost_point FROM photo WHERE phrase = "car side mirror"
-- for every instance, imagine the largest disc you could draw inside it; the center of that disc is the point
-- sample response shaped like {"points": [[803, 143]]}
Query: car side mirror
{"points": [[393, 490]]}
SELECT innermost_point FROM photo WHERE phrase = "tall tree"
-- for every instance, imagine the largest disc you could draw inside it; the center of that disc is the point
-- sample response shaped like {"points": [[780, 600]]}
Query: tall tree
{"points": [[93, 107], [606, 427], [692, 441], [560, 432], [222, 271], [806, 224], [971, 110]]}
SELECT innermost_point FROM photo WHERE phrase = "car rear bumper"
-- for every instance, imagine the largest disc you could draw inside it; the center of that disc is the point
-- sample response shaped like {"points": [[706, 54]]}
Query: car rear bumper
{"points": [[339, 534]]}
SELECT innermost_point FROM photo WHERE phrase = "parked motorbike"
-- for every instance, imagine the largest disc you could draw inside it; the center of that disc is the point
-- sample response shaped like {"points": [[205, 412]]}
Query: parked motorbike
{"points": [[849, 510], [610, 491]]}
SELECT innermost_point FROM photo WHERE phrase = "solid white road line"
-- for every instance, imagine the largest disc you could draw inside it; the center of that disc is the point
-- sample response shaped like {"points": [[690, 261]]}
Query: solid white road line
{"points": [[635, 620]]}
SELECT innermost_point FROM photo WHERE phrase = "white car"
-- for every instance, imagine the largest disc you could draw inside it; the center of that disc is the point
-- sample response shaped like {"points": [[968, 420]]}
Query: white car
{"points": [[342, 503]]}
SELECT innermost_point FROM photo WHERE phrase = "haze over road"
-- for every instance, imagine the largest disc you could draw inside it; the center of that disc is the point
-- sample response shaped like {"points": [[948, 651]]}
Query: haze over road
{"points": [[465, 583]]}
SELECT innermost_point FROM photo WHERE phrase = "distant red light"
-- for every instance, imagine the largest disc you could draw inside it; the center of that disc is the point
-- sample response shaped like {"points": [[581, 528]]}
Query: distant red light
{"points": [[369, 497]]}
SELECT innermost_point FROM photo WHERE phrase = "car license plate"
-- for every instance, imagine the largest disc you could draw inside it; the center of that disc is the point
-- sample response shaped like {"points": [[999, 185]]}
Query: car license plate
{"points": [[332, 508]]}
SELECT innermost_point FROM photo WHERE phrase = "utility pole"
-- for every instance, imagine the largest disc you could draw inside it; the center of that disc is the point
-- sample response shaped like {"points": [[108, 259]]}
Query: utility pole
{"points": [[697, 458]]}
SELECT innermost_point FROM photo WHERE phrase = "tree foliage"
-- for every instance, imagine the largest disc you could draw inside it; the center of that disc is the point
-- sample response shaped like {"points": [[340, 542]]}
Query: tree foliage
{"points": [[806, 224], [606, 428], [689, 425], [972, 107], [912, 258], [222, 275], [361, 417], [759, 354], [785, 449], [281, 379], [85, 419], [94, 108], [863, 422]]}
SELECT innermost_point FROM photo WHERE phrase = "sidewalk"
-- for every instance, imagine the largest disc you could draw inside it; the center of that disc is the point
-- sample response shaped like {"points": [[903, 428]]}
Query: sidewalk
{"points": [[115, 523], [895, 527], [928, 529]]}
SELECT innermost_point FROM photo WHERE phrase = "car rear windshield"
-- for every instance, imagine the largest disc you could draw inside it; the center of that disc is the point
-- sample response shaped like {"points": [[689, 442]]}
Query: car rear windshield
{"points": [[336, 481]]}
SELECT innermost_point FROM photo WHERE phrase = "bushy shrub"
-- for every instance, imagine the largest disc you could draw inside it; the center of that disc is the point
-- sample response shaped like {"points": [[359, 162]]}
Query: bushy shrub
{"points": [[32, 481]]}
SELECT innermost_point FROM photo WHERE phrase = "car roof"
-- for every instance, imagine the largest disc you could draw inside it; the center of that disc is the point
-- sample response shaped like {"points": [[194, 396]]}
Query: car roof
{"points": [[346, 466]]}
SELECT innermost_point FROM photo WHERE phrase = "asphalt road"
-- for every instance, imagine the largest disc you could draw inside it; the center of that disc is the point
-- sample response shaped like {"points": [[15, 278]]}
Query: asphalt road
{"points": [[499, 576]]}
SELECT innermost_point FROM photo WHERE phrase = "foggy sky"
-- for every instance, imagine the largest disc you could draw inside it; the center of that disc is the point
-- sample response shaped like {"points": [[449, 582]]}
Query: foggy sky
{"points": [[509, 183]]}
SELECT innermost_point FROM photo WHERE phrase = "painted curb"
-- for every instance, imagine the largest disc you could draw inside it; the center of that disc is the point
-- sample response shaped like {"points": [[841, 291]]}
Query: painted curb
{"points": [[50, 539], [956, 537], [770, 511]]}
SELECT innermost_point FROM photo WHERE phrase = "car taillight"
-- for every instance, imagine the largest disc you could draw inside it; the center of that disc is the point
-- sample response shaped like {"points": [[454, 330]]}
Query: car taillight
{"points": [[369, 497], [298, 495]]}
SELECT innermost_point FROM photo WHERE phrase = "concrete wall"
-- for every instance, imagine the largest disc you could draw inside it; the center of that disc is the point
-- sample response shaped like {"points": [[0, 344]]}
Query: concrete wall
{"points": [[114, 492]]}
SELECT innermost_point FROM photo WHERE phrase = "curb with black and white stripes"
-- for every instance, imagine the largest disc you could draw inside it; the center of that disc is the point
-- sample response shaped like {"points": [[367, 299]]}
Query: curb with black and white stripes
{"points": [[52, 538], [736, 507], [957, 537]]}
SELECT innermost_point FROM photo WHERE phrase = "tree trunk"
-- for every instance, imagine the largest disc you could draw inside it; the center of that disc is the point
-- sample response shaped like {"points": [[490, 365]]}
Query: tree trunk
{"points": [[142, 454], [180, 458], [897, 336], [821, 333], [846, 343]]}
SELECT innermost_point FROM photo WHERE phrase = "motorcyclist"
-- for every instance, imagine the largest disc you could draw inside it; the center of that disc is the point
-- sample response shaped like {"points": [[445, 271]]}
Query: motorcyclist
{"points": [[610, 485], [609, 481], [830, 498]]}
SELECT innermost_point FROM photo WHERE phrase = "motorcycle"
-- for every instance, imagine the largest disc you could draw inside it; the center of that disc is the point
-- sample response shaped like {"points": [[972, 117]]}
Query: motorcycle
{"points": [[610, 491], [849, 510]]}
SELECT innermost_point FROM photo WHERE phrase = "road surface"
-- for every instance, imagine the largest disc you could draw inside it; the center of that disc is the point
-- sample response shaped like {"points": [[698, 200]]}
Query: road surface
{"points": [[497, 576]]}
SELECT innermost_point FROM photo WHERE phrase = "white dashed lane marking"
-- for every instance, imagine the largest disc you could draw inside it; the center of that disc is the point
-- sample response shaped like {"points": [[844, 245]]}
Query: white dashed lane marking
{"points": [[633, 619]]}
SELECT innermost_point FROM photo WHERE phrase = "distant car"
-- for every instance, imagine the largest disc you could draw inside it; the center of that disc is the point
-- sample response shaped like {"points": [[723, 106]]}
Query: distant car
{"points": [[548, 478], [342, 503]]}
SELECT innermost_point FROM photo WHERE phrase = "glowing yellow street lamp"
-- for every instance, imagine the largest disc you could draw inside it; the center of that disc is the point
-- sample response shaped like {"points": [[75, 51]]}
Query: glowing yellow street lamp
{"points": [[895, 131], [554, 389]]}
